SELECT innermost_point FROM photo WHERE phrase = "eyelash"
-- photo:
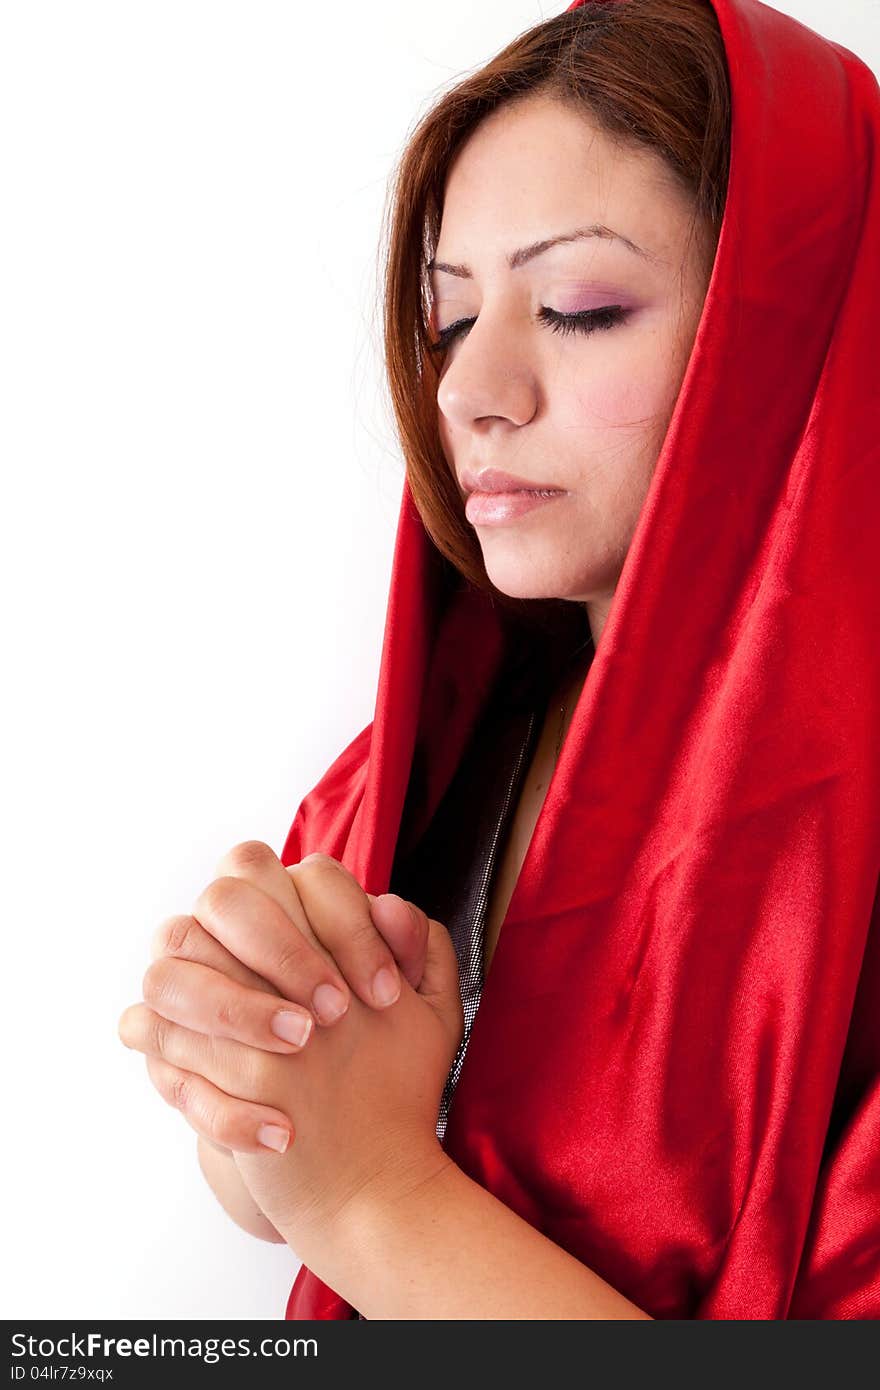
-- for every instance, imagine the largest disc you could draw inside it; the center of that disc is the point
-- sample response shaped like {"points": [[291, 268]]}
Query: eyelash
{"points": [[586, 321]]}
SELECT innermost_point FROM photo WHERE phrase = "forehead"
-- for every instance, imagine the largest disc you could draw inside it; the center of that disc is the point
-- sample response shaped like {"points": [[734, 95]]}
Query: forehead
{"points": [[531, 171]]}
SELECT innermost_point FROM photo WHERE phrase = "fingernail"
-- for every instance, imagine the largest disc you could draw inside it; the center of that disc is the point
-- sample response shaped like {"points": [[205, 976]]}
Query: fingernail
{"points": [[329, 1003], [273, 1137], [386, 986], [293, 1028]]}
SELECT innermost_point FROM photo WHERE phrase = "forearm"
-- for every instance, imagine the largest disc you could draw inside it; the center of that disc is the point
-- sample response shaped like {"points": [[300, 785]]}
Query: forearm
{"points": [[445, 1248], [228, 1186]]}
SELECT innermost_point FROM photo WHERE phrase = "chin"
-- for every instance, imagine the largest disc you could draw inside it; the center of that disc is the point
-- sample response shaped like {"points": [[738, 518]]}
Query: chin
{"points": [[522, 583]]}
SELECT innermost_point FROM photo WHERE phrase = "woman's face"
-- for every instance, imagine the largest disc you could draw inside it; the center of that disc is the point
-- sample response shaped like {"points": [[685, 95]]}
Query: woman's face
{"points": [[581, 412]]}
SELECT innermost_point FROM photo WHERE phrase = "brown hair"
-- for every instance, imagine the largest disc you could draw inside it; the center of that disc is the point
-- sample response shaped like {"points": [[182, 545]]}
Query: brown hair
{"points": [[649, 73]]}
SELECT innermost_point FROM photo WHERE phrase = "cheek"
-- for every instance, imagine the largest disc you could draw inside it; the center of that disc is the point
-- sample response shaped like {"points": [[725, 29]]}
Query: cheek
{"points": [[622, 415], [631, 382], [635, 396]]}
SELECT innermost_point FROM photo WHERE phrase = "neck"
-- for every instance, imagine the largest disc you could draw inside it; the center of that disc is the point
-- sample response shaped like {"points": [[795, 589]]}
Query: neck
{"points": [[597, 610]]}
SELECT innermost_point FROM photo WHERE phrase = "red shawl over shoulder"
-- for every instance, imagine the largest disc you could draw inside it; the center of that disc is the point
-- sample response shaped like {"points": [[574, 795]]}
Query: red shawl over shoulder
{"points": [[674, 1072]]}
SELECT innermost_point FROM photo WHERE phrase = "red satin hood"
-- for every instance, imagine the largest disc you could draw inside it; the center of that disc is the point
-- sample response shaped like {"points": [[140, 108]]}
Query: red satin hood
{"points": [[675, 1068]]}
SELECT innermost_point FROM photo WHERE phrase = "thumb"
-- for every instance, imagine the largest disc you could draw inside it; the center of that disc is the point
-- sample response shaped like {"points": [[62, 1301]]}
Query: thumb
{"points": [[435, 974], [404, 928], [440, 985]]}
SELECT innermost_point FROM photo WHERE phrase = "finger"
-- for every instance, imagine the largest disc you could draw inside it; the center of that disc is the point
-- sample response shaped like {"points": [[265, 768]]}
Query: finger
{"points": [[340, 913], [254, 928], [358, 953], [185, 938], [207, 1001], [404, 926], [257, 862], [440, 984], [251, 1073], [223, 1120]]}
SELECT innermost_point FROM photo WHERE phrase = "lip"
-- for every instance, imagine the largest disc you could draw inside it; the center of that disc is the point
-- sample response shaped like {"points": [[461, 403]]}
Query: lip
{"points": [[496, 480], [500, 508]]}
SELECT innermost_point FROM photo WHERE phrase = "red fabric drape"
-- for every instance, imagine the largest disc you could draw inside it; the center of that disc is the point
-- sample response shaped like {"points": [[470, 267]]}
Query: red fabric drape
{"points": [[675, 1069]]}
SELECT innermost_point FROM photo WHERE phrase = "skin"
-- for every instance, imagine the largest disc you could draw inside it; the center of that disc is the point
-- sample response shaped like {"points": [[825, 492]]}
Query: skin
{"points": [[261, 939], [584, 413]]}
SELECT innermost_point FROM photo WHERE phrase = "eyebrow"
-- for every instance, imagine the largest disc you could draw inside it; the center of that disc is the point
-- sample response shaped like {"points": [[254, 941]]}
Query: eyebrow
{"points": [[528, 253]]}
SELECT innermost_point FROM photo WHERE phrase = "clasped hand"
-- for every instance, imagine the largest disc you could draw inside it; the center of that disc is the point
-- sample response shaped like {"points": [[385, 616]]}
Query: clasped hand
{"points": [[360, 1096]]}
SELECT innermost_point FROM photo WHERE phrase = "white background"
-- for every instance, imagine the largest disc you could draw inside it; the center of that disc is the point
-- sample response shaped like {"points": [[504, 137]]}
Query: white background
{"points": [[201, 486]]}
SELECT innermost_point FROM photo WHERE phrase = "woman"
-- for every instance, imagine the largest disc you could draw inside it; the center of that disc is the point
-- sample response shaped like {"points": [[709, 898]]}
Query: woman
{"points": [[624, 761]]}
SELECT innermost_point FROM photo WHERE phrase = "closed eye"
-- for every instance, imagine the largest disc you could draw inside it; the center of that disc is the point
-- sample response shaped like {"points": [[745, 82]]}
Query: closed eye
{"points": [[585, 321]]}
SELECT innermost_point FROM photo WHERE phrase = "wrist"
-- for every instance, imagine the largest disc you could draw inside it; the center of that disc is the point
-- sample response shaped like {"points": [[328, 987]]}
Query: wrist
{"points": [[383, 1259], [414, 1166], [331, 1240]]}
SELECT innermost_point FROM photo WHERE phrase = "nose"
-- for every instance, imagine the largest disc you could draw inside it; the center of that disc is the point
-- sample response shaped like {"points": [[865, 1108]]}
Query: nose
{"points": [[487, 376]]}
